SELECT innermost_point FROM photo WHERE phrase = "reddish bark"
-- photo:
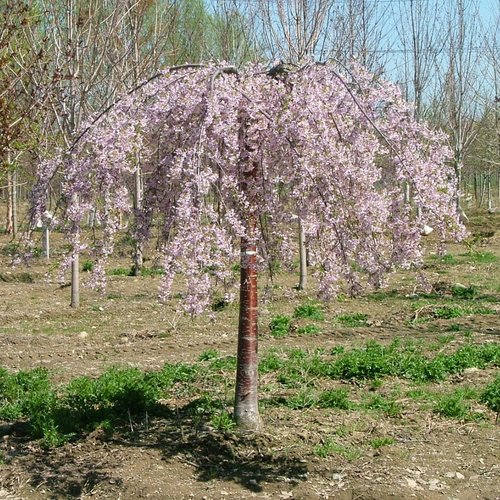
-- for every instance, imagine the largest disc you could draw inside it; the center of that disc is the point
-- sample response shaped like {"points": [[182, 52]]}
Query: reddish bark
{"points": [[246, 407]]}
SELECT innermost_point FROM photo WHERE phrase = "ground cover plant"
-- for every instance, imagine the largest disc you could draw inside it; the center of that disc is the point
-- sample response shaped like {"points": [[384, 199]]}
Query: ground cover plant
{"points": [[119, 396]]}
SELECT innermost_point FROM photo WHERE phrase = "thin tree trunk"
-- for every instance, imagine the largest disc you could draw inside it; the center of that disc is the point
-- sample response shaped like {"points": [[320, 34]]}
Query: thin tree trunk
{"points": [[303, 257], [138, 250], [246, 405], [488, 185], [14, 204], [483, 189], [458, 172], [75, 272], [46, 240], [406, 191], [498, 187], [9, 224], [246, 409], [75, 281], [476, 189]]}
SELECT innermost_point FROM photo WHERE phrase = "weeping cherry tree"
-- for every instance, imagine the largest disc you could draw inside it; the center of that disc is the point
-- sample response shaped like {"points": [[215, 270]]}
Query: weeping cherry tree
{"points": [[226, 152]]}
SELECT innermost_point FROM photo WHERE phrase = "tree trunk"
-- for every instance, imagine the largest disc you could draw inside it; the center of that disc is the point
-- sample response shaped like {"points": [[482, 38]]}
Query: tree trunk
{"points": [[303, 257], [489, 198], [75, 272], [476, 188], [406, 191], [458, 173], [246, 408], [75, 281], [14, 204], [246, 404], [46, 240], [9, 223], [482, 182], [498, 187], [138, 250]]}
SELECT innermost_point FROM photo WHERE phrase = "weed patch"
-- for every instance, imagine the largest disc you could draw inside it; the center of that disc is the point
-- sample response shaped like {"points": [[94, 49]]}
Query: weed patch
{"points": [[280, 326], [481, 257], [380, 442], [491, 395], [333, 448], [430, 312], [387, 406], [309, 311], [352, 320], [457, 405], [308, 330]]}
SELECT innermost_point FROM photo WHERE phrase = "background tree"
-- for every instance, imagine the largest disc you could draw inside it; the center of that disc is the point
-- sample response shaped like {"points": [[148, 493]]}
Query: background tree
{"points": [[460, 84], [19, 101]]}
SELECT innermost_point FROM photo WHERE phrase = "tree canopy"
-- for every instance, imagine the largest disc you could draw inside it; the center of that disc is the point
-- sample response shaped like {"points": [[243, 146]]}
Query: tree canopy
{"points": [[229, 154]]}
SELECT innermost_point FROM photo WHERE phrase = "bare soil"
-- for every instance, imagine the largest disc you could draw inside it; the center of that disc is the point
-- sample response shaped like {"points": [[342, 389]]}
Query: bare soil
{"points": [[431, 457]]}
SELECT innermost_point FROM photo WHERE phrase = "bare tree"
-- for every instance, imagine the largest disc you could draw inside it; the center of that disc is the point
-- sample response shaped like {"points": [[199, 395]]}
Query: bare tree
{"points": [[460, 82], [421, 35], [17, 100], [232, 32], [360, 31], [294, 30]]}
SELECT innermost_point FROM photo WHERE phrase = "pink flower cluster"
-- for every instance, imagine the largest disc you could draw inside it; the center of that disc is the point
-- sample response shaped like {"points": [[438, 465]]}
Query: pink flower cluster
{"points": [[334, 150]]}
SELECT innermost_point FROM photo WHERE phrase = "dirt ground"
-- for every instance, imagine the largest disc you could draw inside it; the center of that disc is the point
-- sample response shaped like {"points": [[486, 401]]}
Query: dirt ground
{"points": [[168, 458]]}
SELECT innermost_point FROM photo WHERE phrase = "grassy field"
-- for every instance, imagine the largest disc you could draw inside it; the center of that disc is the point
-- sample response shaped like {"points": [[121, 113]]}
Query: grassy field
{"points": [[394, 394]]}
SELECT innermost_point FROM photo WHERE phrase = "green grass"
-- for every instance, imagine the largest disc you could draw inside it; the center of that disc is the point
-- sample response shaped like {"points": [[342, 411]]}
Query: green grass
{"points": [[380, 403], [87, 266], [308, 330], [457, 405], [280, 326], [375, 361], [464, 292], [378, 443], [447, 259], [382, 295], [426, 311], [296, 380], [333, 448], [352, 319], [335, 398], [481, 257], [309, 311], [491, 395], [120, 271], [56, 415]]}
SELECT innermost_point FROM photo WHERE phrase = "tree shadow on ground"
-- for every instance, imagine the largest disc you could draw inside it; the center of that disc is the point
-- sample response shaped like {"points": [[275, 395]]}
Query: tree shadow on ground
{"points": [[245, 460], [71, 471], [80, 467]]}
